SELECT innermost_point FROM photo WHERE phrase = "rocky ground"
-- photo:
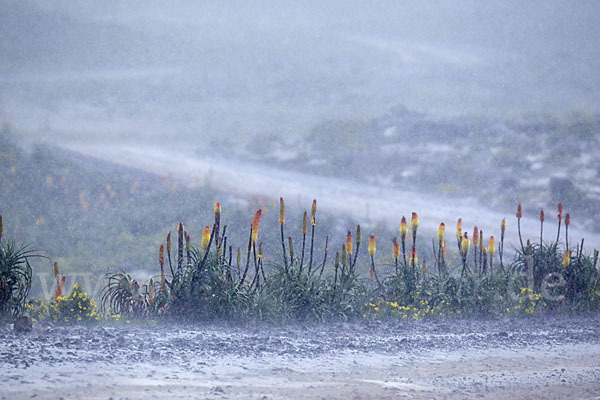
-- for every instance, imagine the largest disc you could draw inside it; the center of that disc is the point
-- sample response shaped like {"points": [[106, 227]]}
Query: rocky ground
{"points": [[522, 358]]}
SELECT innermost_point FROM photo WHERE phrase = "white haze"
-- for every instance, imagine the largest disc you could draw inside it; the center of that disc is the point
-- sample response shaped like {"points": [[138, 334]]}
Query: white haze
{"points": [[185, 76]]}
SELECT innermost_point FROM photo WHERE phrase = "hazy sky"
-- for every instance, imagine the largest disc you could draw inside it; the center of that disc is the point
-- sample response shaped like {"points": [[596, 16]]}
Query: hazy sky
{"points": [[199, 70]]}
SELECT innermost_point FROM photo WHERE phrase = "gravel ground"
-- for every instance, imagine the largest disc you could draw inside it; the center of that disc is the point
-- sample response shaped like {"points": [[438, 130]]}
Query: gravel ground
{"points": [[522, 358]]}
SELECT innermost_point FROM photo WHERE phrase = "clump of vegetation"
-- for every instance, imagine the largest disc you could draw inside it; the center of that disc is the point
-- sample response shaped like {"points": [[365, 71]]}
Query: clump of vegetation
{"points": [[208, 282], [15, 276], [77, 307]]}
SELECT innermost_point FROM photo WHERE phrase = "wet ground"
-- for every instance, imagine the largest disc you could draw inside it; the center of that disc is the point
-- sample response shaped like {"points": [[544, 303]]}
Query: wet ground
{"points": [[518, 358]]}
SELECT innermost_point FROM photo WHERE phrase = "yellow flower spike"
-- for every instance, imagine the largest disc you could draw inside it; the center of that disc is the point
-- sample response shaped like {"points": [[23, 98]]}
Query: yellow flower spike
{"points": [[169, 242], [459, 229], [281, 211], [205, 238], [491, 249], [372, 246], [465, 244], [566, 259], [519, 212], [255, 225], [403, 229], [349, 243], [475, 237], [414, 222], [441, 232], [161, 255], [238, 258], [344, 255], [313, 213], [395, 248], [304, 224]]}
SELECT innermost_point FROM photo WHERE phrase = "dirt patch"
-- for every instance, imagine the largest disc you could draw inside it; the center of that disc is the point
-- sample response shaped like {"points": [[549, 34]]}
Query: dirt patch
{"points": [[518, 358]]}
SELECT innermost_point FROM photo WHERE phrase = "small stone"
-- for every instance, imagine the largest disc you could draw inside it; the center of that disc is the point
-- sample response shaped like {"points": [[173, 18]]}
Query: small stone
{"points": [[23, 324]]}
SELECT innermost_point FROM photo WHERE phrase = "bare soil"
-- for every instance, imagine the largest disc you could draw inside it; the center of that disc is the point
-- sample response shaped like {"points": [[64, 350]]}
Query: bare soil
{"points": [[507, 358]]}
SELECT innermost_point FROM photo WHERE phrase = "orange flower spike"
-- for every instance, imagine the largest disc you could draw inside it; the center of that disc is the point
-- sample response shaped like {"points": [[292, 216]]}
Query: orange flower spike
{"points": [[304, 224], [205, 238], [567, 219], [161, 255], [465, 244], [560, 211], [169, 242], [372, 246], [414, 256], [541, 215], [519, 212], [403, 228], [349, 243], [313, 213], [281, 211], [60, 286], [566, 259], [441, 232], [255, 225], [414, 222], [491, 249], [395, 248], [459, 229], [475, 237]]}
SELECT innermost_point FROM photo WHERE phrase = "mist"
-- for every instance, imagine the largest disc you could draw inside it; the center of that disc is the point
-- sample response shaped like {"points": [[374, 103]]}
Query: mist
{"points": [[419, 92]]}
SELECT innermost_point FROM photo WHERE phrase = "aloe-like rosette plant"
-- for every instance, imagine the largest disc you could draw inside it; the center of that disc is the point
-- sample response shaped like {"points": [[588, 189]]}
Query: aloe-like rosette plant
{"points": [[15, 278], [123, 295], [15, 275]]}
